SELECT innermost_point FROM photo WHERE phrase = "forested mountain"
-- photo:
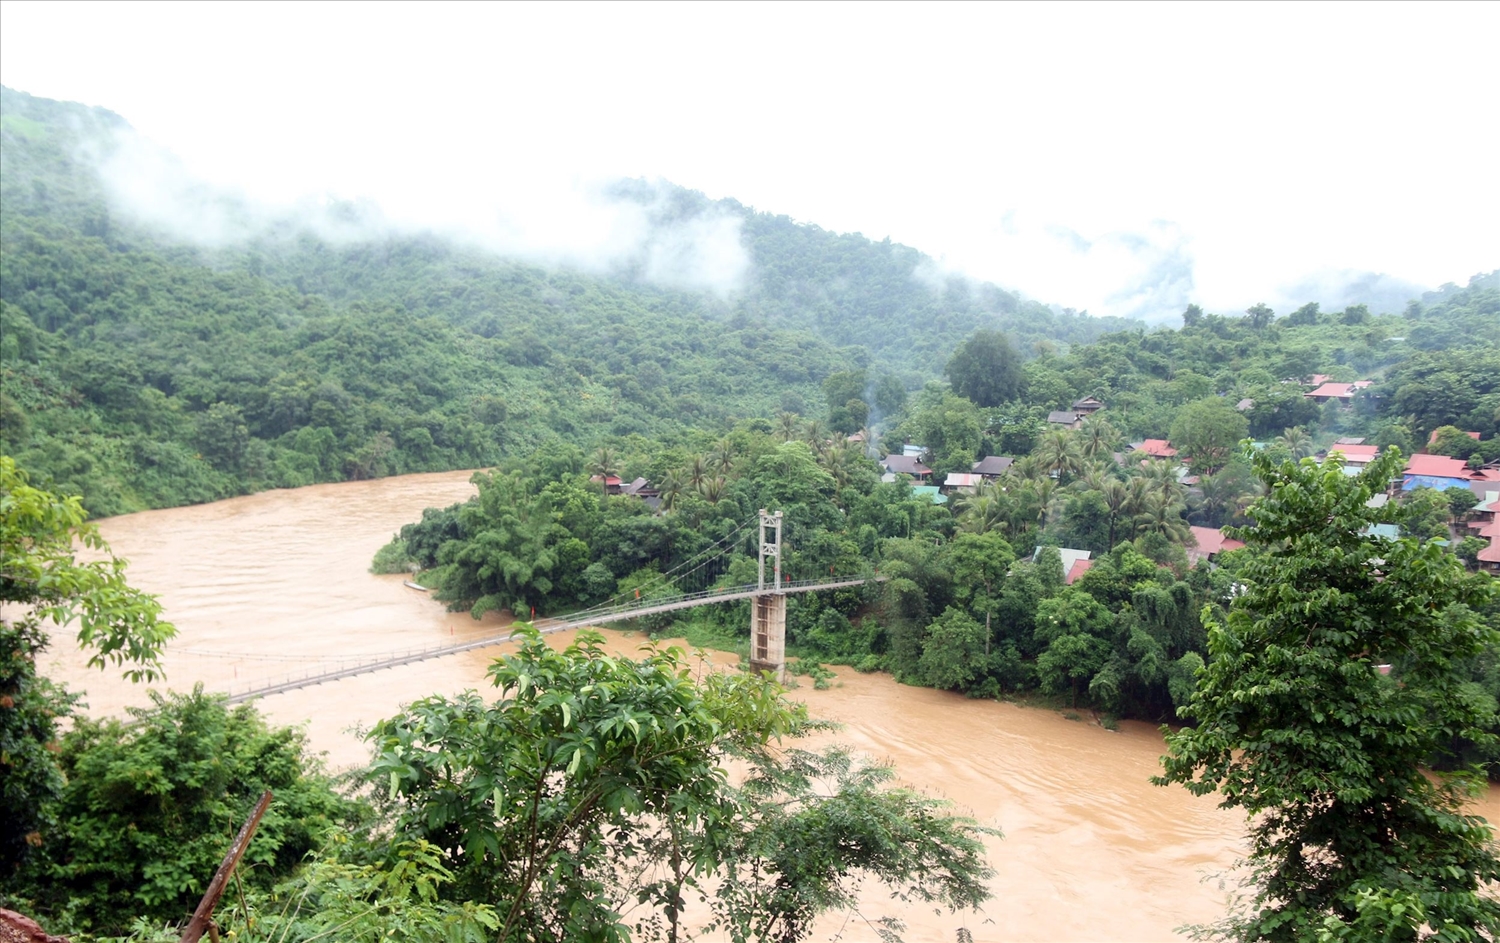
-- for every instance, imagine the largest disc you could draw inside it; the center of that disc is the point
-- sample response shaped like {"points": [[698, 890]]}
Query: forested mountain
{"points": [[143, 370]]}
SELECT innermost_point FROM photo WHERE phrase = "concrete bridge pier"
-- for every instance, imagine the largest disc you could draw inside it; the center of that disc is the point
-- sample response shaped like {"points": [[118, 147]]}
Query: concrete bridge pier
{"points": [[768, 606], [768, 635]]}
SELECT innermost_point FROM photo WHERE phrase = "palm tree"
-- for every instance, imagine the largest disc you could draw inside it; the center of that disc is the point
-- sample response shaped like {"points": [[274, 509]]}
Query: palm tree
{"points": [[1098, 438], [838, 461], [1029, 468], [1058, 453], [1163, 516], [1163, 477], [721, 459], [606, 464], [697, 471], [671, 490], [1221, 498], [1296, 441], [816, 437], [1139, 490], [787, 425], [985, 511], [1116, 496], [712, 489], [1094, 477], [1034, 500]]}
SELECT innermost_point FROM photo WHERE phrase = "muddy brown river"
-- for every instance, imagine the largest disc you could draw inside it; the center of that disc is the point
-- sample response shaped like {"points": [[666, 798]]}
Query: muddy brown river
{"points": [[277, 584]]}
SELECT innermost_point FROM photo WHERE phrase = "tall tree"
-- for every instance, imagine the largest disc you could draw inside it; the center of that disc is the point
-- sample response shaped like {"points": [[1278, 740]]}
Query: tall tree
{"points": [[596, 784], [1207, 432], [986, 369], [44, 586], [1296, 723]]}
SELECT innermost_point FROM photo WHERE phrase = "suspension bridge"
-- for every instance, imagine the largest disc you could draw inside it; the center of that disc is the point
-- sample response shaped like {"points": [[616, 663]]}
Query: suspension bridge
{"points": [[767, 612]]}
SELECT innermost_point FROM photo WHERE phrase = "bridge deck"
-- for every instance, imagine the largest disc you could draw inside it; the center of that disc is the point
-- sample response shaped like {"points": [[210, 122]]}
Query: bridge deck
{"points": [[576, 620]]}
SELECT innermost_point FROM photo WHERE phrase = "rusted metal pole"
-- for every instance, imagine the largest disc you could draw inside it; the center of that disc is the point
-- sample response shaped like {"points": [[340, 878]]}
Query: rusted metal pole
{"points": [[203, 917]]}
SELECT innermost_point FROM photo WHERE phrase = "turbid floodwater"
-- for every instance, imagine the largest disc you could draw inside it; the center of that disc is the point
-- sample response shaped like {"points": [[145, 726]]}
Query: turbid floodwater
{"points": [[274, 584]]}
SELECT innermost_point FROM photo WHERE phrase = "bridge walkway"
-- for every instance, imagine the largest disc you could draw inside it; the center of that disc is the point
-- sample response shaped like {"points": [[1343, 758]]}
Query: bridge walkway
{"points": [[576, 620]]}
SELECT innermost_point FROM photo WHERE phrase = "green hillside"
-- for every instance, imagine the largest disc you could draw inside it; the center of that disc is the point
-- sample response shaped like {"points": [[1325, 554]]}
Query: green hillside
{"points": [[142, 371]]}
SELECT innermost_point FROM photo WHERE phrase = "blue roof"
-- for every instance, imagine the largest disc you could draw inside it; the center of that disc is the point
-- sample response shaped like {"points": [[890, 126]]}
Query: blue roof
{"points": [[1432, 481]]}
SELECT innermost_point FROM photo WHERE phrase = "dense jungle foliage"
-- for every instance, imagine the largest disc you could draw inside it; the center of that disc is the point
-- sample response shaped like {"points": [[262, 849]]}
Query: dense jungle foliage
{"points": [[588, 801], [143, 371]]}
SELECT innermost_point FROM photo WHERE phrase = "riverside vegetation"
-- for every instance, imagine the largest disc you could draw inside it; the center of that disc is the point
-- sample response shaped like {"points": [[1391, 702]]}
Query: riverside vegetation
{"points": [[139, 371]]}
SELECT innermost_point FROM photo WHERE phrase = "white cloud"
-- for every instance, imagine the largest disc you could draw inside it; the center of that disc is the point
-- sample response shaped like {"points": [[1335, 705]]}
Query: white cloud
{"points": [[1259, 145]]}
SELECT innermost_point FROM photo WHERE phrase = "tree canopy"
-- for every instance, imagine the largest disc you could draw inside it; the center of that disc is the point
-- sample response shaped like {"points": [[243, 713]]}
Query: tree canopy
{"points": [[597, 782], [987, 369], [1296, 721]]}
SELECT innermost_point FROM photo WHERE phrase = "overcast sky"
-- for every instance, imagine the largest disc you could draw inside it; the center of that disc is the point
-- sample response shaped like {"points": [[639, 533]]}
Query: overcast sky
{"points": [[1115, 157]]}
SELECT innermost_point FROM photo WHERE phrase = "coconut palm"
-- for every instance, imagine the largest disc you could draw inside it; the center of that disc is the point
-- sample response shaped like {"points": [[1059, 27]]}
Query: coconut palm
{"points": [[1116, 496], [606, 464], [1034, 500], [1028, 468], [816, 436], [1163, 477], [1097, 438], [986, 510], [787, 425], [1296, 441], [1094, 477], [839, 461], [712, 489], [1138, 491], [697, 471], [1163, 516], [1222, 497], [721, 458], [1059, 454], [671, 490]]}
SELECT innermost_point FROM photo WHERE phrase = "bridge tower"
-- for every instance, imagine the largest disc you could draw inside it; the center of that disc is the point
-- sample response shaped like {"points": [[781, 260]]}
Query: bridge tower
{"points": [[768, 605]]}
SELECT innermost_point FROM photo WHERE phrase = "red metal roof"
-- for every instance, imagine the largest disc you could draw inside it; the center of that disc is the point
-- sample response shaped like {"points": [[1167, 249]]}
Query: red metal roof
{"points": [[1212, 540], [1438, 466], [1356, 453], [1080, 567], [1336, 390], [1158, 448]]}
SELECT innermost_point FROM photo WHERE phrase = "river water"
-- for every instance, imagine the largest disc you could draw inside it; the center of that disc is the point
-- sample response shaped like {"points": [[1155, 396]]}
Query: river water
{"points": [[275, 584]]}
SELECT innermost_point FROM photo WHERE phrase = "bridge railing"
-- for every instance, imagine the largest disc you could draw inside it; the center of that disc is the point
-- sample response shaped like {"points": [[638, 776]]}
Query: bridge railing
{"points": [[348, 667], [705, 596]]}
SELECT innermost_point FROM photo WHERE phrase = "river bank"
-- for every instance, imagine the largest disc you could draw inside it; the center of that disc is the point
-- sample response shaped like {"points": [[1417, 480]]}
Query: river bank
{"points": [[268, 585]]}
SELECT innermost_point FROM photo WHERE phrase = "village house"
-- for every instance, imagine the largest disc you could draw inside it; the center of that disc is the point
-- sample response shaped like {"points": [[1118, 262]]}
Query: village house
{"points": [[905, 465], [1211, 543], [992, 466], [1486, 526], [1436, 471], [1432, 437], [1075, 563], [964, 482], [639, 488], [1073, 416], [1066, 418], [1341, 392], [1356, 457], [1155, 448]]}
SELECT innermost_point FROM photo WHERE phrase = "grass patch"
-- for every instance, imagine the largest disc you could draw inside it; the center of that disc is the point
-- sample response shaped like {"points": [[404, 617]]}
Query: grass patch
{"points": [[25, 127]]}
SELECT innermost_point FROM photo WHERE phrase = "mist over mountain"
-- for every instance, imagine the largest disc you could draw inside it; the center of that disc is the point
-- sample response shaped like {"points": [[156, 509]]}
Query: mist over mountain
{"points": [[167, 341]]}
